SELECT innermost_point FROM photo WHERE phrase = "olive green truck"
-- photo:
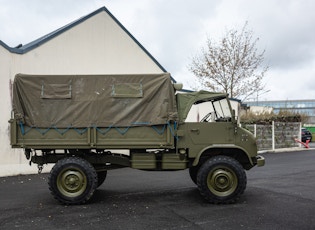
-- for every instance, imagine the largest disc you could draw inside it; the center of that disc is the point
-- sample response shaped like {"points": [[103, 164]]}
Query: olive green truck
{"points": [[88, 124]]}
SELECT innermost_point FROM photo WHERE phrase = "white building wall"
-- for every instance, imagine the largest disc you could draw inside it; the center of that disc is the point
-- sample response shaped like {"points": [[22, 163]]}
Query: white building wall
{"points": [[98, 45]]}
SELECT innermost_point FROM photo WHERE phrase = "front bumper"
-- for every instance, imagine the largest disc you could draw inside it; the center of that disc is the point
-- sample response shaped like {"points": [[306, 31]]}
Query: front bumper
{"points": [[260, 160]]}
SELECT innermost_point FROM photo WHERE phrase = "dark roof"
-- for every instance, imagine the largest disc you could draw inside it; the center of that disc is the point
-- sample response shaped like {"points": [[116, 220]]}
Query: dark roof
{"points": [[22, 49]]}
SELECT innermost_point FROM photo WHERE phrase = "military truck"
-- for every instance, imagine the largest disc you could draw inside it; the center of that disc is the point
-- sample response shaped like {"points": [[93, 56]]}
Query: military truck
{"points": [[88, 124]]}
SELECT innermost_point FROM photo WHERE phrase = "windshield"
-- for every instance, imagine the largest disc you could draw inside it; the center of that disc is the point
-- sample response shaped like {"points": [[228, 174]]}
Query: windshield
{"points": [[210, 111], [222, 109]]}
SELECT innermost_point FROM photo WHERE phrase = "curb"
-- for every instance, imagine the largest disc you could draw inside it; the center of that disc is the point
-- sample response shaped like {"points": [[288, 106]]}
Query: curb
{"points": [[294, 149]]}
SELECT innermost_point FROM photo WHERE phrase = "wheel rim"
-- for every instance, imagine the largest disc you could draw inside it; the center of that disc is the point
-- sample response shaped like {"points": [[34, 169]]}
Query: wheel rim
{"points": [[71, 182], [222, 181]]}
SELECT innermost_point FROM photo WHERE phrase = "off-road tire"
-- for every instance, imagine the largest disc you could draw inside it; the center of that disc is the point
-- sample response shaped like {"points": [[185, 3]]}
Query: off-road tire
{"points": [[72, 180], [101, 176], [193, 172], [221, 180]]}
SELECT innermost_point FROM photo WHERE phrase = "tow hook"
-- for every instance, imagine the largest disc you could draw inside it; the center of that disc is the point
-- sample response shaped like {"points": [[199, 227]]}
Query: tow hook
{"points": [[40, 168]]}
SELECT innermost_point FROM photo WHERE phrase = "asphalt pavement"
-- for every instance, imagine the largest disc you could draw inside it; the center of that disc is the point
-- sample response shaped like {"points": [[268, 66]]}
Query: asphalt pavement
{"points": [[279, 195]]}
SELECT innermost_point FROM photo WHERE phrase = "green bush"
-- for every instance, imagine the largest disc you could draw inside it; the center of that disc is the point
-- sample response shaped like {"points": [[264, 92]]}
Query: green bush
{"points": [[267, 118]]}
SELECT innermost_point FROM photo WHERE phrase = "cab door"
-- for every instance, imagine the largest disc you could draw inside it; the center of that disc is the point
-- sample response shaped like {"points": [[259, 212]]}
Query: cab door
{"points": [[210, 133]]}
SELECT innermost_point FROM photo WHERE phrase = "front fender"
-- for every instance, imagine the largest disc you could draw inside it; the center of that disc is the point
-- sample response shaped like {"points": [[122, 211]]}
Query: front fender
{"points": [[223, 147]]}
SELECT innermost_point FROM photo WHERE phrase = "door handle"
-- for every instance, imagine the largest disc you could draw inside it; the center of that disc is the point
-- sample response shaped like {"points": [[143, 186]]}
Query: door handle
{"points": [[195, 131]]}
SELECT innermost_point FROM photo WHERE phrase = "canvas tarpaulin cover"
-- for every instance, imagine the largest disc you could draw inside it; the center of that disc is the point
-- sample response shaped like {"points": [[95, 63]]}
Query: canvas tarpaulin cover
{"points": [[186, 100], [64, 101]]}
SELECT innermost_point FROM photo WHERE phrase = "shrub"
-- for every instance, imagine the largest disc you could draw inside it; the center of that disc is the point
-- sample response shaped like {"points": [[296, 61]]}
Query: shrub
{"points": [[267, 118]]}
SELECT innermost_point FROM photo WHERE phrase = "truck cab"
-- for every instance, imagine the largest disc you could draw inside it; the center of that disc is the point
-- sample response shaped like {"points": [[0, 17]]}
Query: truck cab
{"points": [[211, 127]]}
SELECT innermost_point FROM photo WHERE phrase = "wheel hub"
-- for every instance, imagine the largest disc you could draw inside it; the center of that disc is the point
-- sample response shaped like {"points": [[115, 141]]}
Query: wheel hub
{"points": [[222, 179], [222, 182], [71, 183]]}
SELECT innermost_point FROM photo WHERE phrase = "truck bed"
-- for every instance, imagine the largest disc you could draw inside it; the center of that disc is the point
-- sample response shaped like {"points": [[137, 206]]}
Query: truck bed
{"points": [[157, 136]]}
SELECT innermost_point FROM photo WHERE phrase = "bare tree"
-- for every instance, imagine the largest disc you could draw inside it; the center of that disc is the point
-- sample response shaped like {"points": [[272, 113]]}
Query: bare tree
{"points": [[233, 66]]}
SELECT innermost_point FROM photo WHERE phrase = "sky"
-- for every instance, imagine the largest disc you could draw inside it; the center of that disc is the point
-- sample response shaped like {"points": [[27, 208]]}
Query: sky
{"points": [[175, 31]]}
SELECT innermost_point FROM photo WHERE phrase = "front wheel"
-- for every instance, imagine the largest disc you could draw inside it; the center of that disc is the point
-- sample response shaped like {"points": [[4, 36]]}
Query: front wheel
{"points": [[72, 180], [193, 172], [221, 180]]}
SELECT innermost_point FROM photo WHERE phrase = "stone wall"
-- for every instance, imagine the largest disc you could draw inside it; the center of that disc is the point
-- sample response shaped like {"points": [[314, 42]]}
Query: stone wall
{"points": [[276, 135]]}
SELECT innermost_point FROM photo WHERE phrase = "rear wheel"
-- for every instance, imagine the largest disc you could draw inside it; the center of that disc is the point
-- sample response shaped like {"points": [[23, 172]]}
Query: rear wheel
{"points": [[101, 176], [72, 180], [221, 180]]}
